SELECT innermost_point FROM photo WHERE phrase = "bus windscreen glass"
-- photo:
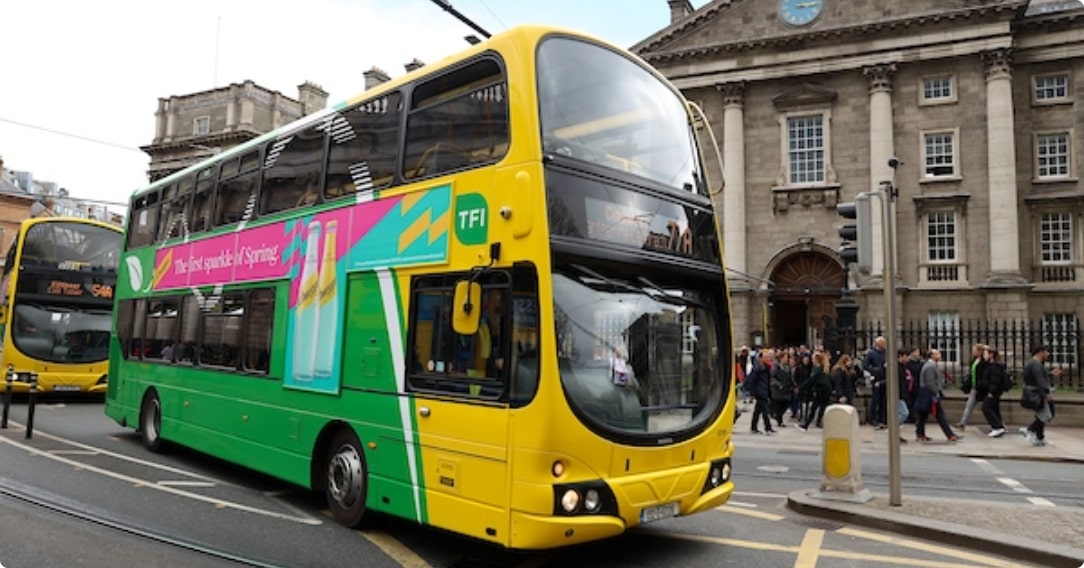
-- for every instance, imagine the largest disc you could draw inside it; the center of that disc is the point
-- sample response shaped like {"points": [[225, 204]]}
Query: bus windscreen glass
{"points": [[599, 106]]}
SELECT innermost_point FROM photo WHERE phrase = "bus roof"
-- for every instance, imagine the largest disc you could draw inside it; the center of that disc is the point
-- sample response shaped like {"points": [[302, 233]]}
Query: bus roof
{"points": [[531, 32]]}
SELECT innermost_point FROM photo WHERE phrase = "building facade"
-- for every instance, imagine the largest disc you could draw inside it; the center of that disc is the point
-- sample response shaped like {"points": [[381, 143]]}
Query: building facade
{"points": [[190, 128], [979, 105]]}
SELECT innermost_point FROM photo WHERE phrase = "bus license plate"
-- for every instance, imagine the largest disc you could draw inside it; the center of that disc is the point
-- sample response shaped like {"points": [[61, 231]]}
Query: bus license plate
{"points": [[66, 388], [652, 514]]}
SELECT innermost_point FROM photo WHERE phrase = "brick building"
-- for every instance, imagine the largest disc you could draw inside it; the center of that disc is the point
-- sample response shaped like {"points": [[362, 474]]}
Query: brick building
{"points": [[978, 100]]}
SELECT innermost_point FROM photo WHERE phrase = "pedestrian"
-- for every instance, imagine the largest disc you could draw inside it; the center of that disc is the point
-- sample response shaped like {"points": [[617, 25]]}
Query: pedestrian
{"points": [[969, 382], [782, 386], [1036, 375], [800, 398], [993, 383], [905, 382], [758, 382], [914, 364], [928, 401], [819, 385], [844, 381], [874, 364]]}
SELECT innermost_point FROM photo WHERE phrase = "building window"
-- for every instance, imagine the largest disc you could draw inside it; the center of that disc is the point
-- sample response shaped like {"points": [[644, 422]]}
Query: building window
{"points": [[1051, 88], [1060, 335], [202, 125], [1052, 155], [939, 154], [805, 149], [944, 330], [937, 90], [1056, 238], [941, 236]]}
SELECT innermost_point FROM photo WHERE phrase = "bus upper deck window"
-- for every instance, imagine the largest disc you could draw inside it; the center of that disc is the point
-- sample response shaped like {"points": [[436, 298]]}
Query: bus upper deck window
{"points": [[457, 120], [293, 171]]}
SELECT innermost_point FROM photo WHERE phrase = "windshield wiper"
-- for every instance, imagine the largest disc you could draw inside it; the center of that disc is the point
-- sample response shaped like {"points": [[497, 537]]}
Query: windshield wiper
{"points": [[613, 283], [684, 300]]}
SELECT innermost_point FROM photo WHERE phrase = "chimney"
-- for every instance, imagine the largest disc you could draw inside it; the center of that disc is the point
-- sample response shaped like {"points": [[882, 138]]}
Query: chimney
{"points": [[312, 97], [679, 9], [374, 77], [416, 64]]}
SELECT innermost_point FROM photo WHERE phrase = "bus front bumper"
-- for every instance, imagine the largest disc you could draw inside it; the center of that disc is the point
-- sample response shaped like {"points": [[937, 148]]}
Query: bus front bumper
{"points": [[60, 383]]}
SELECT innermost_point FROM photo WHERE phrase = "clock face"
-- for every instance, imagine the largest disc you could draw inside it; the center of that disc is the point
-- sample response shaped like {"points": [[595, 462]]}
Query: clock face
{"points": [[800, 12]]}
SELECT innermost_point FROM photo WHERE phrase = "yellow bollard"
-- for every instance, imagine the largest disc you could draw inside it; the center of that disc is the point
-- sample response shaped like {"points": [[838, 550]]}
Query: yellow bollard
{"points": [[842, 457]]}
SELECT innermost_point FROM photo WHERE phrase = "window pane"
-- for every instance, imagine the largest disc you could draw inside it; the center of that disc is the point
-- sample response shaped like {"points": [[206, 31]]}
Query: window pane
{"points": [[1056, 238], [1060, 334], [457, 120], [142, 221], [944, 331], [941, 236], [805, 138], [940, 158], [1052, 155], [237, 194], [1051, 87], [221, 334], [201, 201], [293, 169], [364, 142], [259, 323]]}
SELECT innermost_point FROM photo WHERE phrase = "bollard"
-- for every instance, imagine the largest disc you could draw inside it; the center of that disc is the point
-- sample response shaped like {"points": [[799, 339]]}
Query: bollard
{"points": [[841, 454], [31, 397], [8, 394]]}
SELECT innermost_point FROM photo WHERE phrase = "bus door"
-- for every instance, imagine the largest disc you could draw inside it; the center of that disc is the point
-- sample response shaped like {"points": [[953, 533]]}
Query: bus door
{"points": [[457, 372]]}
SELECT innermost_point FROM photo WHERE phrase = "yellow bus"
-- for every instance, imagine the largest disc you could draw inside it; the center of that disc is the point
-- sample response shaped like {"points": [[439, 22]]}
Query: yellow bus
{"points": [[487, 296], [58, 282]]}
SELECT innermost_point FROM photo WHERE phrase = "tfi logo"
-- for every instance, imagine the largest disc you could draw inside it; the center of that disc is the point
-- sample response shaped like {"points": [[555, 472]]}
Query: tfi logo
{"points": [[471, 219]]}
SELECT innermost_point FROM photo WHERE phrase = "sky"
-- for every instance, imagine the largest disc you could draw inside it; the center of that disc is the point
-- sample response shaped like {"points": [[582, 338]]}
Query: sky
{"points": [[82, 79]]}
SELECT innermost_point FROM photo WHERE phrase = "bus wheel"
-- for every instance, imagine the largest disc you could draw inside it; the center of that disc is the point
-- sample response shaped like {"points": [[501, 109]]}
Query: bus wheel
{"points": [[150, 421], [347, 478]]}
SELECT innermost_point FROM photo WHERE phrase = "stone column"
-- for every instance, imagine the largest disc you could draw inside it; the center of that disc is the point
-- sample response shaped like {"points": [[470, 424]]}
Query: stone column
{"points": [[881, 148], [734, 179], [1004, 245]]}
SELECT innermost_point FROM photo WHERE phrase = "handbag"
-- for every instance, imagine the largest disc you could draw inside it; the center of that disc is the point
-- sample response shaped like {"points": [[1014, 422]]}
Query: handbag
{"points": [[1031, 398]]}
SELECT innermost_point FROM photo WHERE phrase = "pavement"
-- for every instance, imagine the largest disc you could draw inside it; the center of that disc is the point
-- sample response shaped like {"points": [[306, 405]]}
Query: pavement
{"points": [[1054, 535]]}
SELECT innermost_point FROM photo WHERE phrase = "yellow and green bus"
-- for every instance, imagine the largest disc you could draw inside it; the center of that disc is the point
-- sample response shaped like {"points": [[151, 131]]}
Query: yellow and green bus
{"points": [[58, 282], [487, 296]]}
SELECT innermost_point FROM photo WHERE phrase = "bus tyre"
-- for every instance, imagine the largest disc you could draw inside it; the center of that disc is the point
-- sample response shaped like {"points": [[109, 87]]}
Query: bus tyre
{"points": [[347, 478], [150, 421]]}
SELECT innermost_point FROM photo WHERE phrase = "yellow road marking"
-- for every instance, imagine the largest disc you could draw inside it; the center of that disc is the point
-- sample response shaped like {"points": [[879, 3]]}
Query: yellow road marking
{"points": [[750, 513], [734, 542], [927, 547], [809, 549], [395, 550]]}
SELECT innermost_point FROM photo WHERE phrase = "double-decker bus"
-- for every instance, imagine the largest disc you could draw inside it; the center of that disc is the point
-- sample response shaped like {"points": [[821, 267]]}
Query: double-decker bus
{"points": [[58, 283], [487, 296]]}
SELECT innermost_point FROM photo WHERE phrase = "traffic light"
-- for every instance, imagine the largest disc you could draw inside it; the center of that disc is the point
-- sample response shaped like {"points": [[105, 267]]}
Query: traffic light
{"points": [[857, 238]]}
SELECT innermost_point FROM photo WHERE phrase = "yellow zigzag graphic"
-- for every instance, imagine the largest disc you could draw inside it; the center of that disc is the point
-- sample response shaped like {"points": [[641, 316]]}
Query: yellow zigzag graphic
{"points": [[436, 229]]}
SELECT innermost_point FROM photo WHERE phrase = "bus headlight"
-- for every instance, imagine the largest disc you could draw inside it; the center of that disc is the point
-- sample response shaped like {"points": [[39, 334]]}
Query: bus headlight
{"points": [[592, 497], [718, 474], [570, 501], [591, 500]]}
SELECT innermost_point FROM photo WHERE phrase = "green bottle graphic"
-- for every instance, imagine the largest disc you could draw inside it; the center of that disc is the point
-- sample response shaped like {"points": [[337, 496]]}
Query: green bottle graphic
{"points": [[305, 313], [327, 299]]}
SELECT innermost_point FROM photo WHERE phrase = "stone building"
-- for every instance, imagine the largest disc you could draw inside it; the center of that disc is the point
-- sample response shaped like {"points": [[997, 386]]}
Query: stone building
{"points": [[978, 101], [190, 128]]}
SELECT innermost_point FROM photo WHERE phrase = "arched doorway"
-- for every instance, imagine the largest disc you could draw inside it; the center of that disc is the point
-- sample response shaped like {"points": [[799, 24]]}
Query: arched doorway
{"points": [[807, 286]]}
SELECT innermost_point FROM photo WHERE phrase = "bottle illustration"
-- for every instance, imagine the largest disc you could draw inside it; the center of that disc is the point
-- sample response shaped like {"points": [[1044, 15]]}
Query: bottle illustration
{"points": [[305, 313], [327, 300]]}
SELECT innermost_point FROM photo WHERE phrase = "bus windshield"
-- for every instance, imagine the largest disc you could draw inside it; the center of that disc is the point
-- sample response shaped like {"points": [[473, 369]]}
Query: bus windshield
{"points": [[61, 334], [72, 246], [636, 357], [598, 106]]}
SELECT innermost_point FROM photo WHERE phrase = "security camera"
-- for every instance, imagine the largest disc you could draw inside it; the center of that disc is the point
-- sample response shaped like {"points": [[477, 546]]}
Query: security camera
{"points": [[894, 162]]}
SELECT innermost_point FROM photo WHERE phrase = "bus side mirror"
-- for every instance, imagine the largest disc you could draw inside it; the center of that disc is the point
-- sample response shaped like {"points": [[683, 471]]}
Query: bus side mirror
{"points": [[467, 309]]}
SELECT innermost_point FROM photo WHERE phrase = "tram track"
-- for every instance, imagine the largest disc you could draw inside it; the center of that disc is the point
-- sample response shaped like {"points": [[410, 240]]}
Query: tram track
{"points": [[57, 504]]}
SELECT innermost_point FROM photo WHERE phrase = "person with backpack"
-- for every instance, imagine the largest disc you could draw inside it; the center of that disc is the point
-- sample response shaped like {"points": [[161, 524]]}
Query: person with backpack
{"points": [[970, 382], [990, 386], [874, 364]]}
